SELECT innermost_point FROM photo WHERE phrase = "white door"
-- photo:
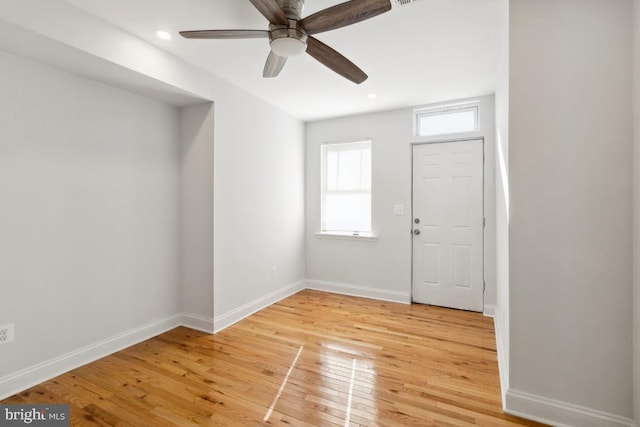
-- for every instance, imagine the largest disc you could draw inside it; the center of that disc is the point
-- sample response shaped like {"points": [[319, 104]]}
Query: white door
{"points": [[448, 222]]}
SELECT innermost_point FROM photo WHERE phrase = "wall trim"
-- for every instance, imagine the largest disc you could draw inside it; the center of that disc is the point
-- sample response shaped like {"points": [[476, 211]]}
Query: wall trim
{"points": [[26, 378], [489, 310], [359, 291], [197, 322], [44, 371], [234, 316], [558, 413]]}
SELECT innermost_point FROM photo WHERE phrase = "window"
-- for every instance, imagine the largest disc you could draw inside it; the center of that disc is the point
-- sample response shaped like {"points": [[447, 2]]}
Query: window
{"points": [[346, 188], [447, 119]]}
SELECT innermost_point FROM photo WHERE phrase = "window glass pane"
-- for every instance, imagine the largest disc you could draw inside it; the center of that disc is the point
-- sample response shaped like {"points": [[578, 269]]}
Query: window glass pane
{"points": [[454, 121], [346, 192], [332, 169], [366, 169], [349, 170], [347, 212]]}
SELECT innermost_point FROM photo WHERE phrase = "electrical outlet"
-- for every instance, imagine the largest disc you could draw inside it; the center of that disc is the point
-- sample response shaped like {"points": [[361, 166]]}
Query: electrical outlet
{"points": [[6, 333], [274, 271]]}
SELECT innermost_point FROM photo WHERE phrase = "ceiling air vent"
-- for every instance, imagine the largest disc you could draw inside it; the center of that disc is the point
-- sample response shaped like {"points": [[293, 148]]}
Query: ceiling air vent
{"points": [[405, 2]]}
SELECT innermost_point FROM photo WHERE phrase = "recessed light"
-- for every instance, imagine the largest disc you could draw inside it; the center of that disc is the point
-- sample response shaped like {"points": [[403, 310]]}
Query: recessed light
{"points": [[163, 35], [372, 95]]}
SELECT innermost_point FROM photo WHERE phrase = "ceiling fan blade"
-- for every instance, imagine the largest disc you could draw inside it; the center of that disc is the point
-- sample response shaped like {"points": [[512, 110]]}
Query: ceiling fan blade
{"points": [[274, 65], [335, 61], [344, 14], [225, 34], [271, 10]]}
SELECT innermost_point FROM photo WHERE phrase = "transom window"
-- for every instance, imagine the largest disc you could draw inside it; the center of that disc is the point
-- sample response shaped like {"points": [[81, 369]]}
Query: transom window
{"points": [[446, 119], [346, 187]]}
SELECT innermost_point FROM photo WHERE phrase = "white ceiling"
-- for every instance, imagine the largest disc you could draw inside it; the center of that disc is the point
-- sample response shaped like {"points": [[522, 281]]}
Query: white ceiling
{"points": [[427, 51]]}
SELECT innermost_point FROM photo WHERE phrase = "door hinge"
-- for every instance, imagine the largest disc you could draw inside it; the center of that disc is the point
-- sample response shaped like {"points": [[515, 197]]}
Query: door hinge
{"points": [[484, 285], [484, 222]]}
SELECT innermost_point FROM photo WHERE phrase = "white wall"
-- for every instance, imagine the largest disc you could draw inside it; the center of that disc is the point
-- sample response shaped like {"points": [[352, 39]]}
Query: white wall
{"points": [[259, 162], [636, 209], [502, 205], [196, 209], [382, 268], [89, 231], [570, 172], [259, 207]]}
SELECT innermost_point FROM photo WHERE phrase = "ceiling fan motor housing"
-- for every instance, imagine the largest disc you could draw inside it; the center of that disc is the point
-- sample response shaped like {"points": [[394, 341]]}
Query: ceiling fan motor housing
{"points": [[287, 40]]}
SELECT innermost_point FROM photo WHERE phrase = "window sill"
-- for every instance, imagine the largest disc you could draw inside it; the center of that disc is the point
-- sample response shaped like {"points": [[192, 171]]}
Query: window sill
{"points": [[346, 236]]}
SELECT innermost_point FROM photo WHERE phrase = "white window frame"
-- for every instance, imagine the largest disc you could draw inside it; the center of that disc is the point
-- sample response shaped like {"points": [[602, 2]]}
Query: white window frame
{"points": [[446, 109], [324, 232]]}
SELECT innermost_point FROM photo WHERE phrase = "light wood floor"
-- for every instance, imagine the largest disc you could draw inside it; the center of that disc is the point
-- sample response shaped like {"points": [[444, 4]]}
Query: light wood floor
{"points": [[314, 359]]}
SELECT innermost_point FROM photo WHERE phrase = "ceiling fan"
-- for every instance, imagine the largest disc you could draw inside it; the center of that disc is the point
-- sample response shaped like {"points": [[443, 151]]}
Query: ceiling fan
{"points": [[290, 35]]}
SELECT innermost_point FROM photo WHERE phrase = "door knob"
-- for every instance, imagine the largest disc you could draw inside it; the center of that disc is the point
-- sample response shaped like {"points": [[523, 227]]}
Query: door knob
{"points": [[416, 231]]}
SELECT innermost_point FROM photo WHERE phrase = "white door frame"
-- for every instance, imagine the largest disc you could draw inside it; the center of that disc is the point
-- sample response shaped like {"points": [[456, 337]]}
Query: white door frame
{"points": [[445, 141]]}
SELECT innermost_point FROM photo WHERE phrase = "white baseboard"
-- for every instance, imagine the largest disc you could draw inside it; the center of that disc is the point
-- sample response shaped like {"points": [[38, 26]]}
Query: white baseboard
{"points": [[558, 413], [227, 319], [34, 375], [359, 291], [489, 310], [197, 322], [542, 409]]}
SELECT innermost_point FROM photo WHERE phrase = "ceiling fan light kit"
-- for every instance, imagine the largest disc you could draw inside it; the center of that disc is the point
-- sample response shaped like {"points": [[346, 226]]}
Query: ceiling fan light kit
{"points": [[287, 41], [290, 35], [288, 47]]}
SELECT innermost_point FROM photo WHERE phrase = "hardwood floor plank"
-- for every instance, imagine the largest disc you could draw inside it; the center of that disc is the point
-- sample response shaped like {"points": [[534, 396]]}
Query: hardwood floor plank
{"points": [[313, 359]]}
